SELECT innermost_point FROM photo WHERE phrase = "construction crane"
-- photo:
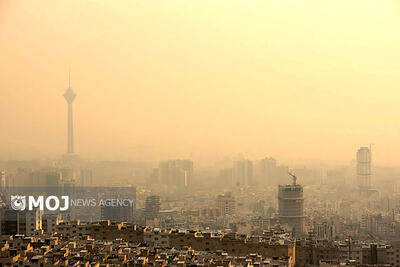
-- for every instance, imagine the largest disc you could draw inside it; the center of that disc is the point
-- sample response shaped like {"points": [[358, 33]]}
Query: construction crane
{"points": [[294, 178]]}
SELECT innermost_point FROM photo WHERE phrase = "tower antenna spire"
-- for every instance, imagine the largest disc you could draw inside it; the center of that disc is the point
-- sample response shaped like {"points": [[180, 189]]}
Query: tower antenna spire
{"points": [[69, 78]]}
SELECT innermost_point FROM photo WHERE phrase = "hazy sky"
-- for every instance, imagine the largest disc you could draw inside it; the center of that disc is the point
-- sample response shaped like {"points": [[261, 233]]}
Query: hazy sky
{"points": [[300, 80]]}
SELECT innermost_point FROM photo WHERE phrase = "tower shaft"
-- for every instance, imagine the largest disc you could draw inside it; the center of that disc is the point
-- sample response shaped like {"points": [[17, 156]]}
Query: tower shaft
{"points": [[70, 130], [69, 96]]}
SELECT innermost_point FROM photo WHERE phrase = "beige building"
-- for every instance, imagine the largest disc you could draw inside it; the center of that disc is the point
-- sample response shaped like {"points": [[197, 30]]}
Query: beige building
{"points": [[226, 204]]}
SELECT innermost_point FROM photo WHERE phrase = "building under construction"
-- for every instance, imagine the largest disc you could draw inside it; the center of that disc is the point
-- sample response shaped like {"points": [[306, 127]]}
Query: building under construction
{"points": [[291, 207]]}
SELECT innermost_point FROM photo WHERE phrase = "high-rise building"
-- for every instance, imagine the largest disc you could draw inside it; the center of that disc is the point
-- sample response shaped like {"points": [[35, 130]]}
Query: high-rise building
{"points": [[242, 173], [364, 168], [69, 96], [176, 173], [226, 204], [291, 207], [152, 207]]}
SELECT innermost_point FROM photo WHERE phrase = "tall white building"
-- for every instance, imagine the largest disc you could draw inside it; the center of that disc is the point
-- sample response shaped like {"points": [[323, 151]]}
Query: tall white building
{"points": [[364, 168], [226, 204]]}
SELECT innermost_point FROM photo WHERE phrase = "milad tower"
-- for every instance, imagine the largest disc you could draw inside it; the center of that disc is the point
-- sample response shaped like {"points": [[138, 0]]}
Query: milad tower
{"points": [[69, 96]]}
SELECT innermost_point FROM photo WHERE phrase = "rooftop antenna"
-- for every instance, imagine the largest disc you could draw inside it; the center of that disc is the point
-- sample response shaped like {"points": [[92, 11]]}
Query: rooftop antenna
{"points": [[294, 178]]}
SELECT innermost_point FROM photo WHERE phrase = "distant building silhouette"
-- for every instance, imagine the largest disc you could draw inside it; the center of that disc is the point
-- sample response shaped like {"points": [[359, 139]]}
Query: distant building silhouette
{"points": [[269, 173], [176, 173], [153, 178], [242, 173], [152, 207]]}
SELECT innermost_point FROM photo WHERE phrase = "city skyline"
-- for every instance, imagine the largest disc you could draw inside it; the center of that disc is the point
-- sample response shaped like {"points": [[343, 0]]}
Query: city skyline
{"points": [[302, 94], [259, 133]]}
